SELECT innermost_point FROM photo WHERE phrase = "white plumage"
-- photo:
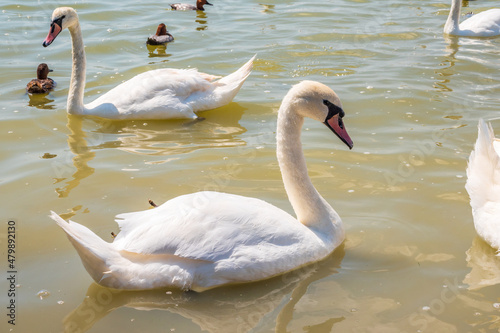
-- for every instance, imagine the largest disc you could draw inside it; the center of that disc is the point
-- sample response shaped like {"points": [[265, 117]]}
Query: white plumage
{"points": [[483, 185], [484, 24], [207, 239], [157, 94]]}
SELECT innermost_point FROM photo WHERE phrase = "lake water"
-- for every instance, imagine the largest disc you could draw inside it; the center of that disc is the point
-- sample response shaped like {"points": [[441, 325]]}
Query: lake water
{"points": [[411, 261]]}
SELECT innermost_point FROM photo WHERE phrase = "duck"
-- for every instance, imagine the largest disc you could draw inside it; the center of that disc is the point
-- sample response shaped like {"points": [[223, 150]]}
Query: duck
{"points": [[185, 6], [208, 239], [484, 24], [161, 37], [483, 185], [42, 84], [165, 93]]}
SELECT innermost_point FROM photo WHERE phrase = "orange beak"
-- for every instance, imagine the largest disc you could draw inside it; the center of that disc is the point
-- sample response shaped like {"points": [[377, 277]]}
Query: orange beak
{"points": [[336, 124], [55, 29]]}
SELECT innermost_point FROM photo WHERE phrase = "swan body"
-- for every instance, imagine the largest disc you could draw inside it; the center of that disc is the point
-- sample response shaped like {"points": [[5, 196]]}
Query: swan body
{"points": [[484, 24], [185, 6], [161, 37], [483, 185], [157, 94], [42, 84], [207, 239]]}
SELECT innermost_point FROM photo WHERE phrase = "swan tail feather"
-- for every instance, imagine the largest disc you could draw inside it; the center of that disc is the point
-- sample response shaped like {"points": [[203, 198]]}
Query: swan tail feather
{"points": [[482, 167], [483, 184], [94, 252], [228, 86]]}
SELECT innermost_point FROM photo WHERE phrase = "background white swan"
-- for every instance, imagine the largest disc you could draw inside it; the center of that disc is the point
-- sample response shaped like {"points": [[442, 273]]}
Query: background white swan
{"points": [[483, 185], [206, 239], [484, 24], [157, 94]]}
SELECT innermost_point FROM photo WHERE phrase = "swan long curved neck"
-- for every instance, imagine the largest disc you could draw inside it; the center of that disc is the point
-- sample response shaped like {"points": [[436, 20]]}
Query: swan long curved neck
{"points": [[309, 206], [77, 84], [451, 24]]}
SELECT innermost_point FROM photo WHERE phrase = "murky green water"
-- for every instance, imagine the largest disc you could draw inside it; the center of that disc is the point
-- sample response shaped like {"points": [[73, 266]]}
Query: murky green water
{"points": [[411, 261]]}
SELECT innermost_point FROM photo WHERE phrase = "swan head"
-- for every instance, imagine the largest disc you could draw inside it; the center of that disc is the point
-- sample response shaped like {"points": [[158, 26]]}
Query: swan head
{"points": [[62, 18], [317, 101]]}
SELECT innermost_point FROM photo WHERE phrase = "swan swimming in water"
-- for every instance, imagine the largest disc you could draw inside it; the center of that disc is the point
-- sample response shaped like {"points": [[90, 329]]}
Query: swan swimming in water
{"points": [[208, 239], [157, 94], [484, 24], [42, 84], [161, 37], [483, 185]]}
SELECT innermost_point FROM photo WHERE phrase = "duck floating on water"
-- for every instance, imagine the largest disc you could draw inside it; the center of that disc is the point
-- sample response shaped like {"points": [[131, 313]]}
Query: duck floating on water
{"points": [[484, 24], [208, 239], [185, 6], [161, 37], [165, 93], [42, 84]]}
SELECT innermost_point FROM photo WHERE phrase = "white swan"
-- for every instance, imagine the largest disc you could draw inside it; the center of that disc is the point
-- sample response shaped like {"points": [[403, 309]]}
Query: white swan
{"points": [[157, 94], [483, 185], [207, 239], [484, 24]]}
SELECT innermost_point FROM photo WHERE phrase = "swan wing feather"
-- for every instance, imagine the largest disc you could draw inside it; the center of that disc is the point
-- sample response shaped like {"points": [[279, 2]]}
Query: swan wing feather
{"points": [[161, 93], [212, 226], [483, 24]]}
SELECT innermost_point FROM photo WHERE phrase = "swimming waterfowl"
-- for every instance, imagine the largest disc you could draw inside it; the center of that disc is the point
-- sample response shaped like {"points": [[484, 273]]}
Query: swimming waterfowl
{"points": [[157, 94], [161, 37], [42, 84], [185, 6], [484, 24], [207, 239], [483, 185]]}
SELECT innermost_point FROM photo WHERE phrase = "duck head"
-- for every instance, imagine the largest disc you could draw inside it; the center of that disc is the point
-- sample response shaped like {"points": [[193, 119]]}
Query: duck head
{"points": [[201, 3], [42, 71], [162, 30]]}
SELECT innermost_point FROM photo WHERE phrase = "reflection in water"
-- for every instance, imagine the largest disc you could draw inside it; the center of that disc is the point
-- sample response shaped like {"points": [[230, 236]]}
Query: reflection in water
{"points": [[160, 51], [267, 9], [83, 154], [201, 20], [220, 128], [484, 264], [476, 47], [40, 101], [445, 70], [151, 137], [451, 45], [239, 308]]}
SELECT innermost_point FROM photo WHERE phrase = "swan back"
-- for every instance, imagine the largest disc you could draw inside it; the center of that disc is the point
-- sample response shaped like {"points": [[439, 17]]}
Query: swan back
{"points": [[483, 185], [484, 24]]}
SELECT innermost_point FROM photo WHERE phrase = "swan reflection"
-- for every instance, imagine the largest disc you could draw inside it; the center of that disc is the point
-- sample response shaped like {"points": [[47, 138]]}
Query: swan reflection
{"points": [[220, 128], [484, 264], [239, 308], [77, 144]]}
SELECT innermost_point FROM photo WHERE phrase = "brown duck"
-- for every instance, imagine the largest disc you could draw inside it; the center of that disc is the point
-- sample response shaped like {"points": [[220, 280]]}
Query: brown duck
{"points": [[42, 84]]}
